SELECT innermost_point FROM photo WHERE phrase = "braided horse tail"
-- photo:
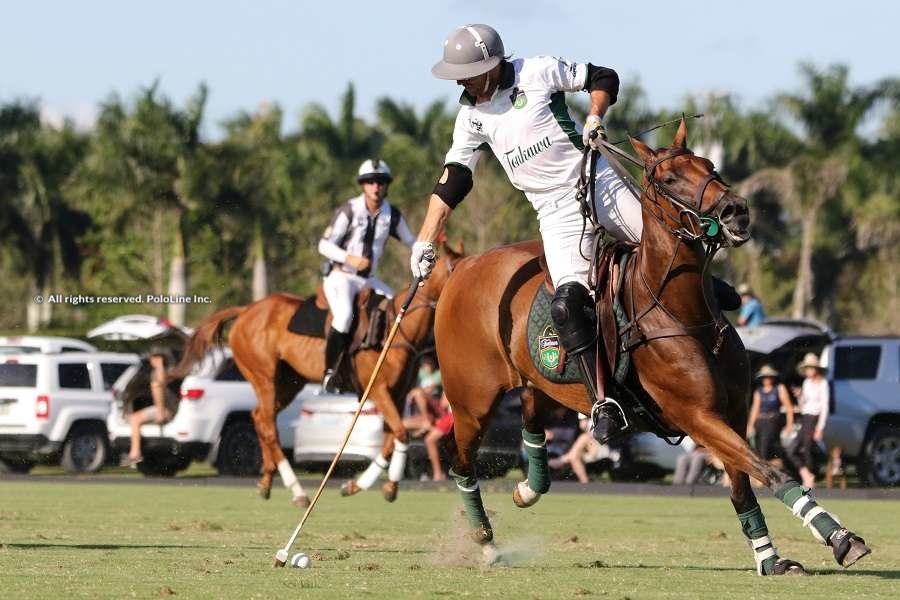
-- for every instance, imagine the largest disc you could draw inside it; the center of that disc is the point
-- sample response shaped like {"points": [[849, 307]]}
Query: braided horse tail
{"points": [[208, 334]]}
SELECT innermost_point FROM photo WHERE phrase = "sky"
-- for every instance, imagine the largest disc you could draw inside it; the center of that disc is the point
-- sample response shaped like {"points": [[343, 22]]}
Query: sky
{"points": [[73, 55]]}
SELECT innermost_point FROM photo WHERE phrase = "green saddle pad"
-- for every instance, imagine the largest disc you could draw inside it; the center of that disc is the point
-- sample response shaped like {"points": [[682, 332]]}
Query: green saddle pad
{"points": [[543, 342]]}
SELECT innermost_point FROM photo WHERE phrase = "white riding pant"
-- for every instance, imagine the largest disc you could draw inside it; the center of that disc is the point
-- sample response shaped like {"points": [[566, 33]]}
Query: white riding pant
{"points": [[561, 225], [341, 289]]}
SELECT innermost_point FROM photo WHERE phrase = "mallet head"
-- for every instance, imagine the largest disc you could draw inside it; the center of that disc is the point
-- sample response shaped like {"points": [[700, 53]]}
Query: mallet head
{"points": [[281, 558]]}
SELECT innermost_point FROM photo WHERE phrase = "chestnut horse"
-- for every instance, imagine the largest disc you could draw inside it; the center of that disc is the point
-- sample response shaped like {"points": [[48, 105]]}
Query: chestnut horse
{"points": [[279, 363], [688, 359]]}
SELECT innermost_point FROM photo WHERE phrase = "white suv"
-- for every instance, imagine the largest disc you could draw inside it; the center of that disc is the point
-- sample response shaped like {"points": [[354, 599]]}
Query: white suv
{"points": [[212, 421], [54, 406]]}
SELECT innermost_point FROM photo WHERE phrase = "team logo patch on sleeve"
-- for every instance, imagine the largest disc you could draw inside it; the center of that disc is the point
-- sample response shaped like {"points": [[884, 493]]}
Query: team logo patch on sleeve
{"points": [[548, 344]]}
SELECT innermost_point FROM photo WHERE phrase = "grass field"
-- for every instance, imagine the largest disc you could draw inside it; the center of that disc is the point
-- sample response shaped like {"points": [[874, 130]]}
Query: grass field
{"points": [[129, 540]]}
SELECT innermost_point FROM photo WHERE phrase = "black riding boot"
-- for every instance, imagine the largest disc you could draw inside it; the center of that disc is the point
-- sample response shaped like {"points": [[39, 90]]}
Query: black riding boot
{"points": [[335, 345], [575, 319]]}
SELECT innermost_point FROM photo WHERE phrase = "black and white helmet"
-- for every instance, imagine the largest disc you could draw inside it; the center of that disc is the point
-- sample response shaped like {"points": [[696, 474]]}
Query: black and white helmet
{"points": [[374, 169], [469, 51]]}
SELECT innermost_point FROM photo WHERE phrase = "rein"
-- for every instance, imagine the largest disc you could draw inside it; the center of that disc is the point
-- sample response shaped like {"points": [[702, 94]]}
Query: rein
{"points": [[704, 227]]}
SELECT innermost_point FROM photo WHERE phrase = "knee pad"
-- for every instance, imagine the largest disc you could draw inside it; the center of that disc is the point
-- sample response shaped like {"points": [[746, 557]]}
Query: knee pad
{"points": [[574, 316]]}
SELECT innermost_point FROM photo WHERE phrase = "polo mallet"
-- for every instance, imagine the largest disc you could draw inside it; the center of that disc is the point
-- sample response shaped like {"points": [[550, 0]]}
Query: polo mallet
{"points": [[281, 557]]}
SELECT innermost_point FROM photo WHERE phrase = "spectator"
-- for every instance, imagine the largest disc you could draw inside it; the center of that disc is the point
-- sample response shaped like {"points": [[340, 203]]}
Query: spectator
{"points": [[586, 449], [423, 403], [442, 426], [689, 466], [769, 399], [752, 313], [814, 398], [159, 412]]}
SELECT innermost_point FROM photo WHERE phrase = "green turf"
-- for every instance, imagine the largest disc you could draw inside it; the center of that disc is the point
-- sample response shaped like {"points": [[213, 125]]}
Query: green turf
{"points": [[129, 540]]}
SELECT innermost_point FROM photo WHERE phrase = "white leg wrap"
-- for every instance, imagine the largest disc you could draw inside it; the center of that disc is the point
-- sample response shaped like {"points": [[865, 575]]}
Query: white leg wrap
{"points": [[528, 495], [398, 462], [372, 473], [799, 504], [289, 478], [812, 514], [763, 548]]}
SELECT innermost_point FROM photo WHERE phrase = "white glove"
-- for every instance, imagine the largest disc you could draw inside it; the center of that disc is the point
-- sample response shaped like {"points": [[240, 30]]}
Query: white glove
{"points": [[591, 124], [422, 259]]}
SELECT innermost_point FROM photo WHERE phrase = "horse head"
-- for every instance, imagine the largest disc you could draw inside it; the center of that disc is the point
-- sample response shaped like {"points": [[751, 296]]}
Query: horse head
{"points": [[685, 191]]}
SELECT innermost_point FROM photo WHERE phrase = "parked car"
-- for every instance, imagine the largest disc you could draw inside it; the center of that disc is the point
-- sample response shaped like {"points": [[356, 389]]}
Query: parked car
{"points": [[212, 421], [864, 373], [54, 406], [31, 344], [324, 420]]}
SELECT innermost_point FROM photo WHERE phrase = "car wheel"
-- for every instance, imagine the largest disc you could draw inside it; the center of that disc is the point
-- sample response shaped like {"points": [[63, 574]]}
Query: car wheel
{"points": [[156, 466], [239, 453], [84, 450], [19, 466], [881, 457]]}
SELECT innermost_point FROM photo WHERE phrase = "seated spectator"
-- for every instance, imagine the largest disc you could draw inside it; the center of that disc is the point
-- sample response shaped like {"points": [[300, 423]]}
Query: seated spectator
{"points": [[423, 402], [585, 450], [689, 466], [159, 412], [560, 429], [441, 427]]}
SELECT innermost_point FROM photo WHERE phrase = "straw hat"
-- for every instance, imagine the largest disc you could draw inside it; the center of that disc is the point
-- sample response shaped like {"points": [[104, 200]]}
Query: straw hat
{"points": [[810, 360], [744, 290], [767, 371]]}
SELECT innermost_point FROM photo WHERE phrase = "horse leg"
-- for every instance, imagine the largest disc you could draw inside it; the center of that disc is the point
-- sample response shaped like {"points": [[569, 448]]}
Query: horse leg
{"points": [[287, 384], [468, 427], [368, 477], [527, 493], [394, 422], [708, 429]]}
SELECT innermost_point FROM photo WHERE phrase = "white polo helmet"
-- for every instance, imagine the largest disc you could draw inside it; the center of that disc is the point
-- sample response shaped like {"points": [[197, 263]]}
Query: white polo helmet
{"points": [[373, 168], [469, 51]]}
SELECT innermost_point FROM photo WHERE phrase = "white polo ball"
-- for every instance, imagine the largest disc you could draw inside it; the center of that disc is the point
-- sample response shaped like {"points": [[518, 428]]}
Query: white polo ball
{"points": [[301, 561]]}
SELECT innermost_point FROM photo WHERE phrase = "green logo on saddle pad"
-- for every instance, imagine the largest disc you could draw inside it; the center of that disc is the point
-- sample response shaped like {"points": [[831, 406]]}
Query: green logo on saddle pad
{"points": [[548, 345]]}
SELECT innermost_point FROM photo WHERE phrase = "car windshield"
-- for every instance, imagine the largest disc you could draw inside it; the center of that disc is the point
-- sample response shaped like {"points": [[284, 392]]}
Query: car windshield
{"points": [[16, 375]]}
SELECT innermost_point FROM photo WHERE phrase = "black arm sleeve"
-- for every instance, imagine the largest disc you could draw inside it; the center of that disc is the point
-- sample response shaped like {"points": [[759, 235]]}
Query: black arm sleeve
{"points": [[454, 184], [602, 78]]}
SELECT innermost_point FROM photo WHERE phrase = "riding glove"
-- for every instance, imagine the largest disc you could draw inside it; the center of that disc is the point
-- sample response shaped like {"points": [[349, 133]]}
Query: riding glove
{"points": [[591, 124], [422, 259]]}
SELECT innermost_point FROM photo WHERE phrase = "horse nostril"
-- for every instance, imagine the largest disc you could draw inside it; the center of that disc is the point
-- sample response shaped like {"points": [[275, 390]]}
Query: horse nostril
{"points": [[727, 214]]}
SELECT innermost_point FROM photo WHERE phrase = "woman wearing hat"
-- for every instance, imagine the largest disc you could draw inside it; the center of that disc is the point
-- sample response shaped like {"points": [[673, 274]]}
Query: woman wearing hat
{"points": [[814, 400], [765, 413]]}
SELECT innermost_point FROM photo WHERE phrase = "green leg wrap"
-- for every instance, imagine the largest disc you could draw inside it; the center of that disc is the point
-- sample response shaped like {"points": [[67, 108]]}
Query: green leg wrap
{"points": [[538, 471], [753, 524], [471, 496], [800, 501]]}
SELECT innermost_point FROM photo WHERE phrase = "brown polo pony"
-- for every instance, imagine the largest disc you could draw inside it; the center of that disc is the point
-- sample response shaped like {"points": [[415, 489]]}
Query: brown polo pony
{"points": [[279, 363], [689, 360]]}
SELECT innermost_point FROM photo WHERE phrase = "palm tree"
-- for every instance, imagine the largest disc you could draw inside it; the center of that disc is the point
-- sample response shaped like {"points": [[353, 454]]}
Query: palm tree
{"points": [[139, 172]]}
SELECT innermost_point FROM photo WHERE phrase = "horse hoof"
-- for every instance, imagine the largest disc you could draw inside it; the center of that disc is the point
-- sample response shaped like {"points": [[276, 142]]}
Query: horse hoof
{"points": [[265, 491], [524, 496], [389, 490], [350, 488], [490, 556], [789, 567], [848, 547], [301, 501]]}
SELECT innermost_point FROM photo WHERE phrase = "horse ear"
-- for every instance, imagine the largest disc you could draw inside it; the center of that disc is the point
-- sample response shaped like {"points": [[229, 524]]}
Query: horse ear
{"points": [[643, 150], [460, 248], [681, 135]]}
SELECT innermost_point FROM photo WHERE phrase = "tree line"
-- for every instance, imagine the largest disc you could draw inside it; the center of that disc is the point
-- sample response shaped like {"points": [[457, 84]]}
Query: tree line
{"points": [[141, 204]]}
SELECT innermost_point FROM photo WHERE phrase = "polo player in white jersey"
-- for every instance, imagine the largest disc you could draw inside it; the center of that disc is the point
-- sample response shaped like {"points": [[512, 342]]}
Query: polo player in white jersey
{"points": [[353, 243], [518, 108]]}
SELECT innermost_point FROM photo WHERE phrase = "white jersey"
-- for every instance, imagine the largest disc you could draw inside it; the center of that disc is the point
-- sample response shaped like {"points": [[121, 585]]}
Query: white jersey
{"points": [[353, 231], [527, 125]]}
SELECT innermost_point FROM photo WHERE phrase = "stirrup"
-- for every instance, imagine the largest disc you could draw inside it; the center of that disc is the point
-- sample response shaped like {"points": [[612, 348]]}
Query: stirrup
{"points": [[604, 408], [328, 382]]}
